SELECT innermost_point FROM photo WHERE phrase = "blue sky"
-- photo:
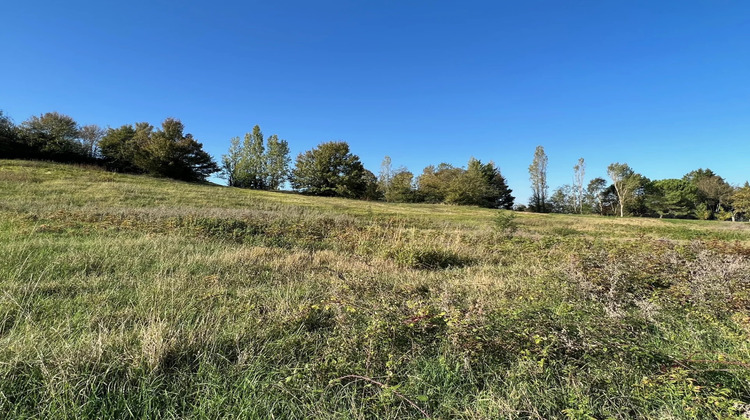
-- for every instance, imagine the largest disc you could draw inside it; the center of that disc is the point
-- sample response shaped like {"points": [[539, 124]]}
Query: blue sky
{"points": [[661, 85]]}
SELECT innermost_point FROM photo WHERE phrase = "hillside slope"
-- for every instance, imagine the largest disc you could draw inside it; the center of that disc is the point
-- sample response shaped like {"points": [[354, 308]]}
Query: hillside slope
{"points": [[129, 296]]}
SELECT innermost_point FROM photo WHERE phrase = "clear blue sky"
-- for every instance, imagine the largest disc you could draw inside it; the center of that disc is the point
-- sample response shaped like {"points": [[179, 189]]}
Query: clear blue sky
{"points": [[661, 85]]}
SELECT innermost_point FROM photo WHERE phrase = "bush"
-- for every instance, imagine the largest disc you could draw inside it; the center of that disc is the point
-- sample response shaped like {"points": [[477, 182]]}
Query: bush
{"points": [[427, 259], [505, 223]]}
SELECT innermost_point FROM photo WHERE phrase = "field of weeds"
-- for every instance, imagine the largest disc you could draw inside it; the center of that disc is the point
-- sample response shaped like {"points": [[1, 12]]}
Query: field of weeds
{"points": [[133, 297]]}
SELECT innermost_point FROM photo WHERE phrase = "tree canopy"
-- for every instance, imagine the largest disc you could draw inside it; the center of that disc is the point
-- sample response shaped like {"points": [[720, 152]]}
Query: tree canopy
{"points": [[330, 170], [256, 162], [538, 178], [165, 152]]}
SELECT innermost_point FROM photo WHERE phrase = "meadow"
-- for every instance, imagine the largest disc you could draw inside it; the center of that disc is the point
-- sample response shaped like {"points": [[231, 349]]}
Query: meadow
{"points": [[135, 297]]}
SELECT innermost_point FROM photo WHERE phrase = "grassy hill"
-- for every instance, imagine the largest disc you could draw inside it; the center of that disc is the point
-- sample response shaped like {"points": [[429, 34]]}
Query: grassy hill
{"points": [[134, 297]]}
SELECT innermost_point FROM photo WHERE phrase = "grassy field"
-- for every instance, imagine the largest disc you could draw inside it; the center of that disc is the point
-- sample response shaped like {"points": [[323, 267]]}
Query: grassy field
{"points": [[133, 297]]}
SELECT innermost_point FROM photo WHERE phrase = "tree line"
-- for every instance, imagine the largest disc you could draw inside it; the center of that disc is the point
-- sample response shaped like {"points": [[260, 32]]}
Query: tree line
{"points": [[331, 169], [699, 194], [255, 162], [139, 148]]}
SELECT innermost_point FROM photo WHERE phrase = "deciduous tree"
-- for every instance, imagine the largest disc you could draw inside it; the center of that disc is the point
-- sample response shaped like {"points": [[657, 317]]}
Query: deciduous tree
{"points": [[385, 176], [54, 136], [595, 191], [230, 162], [90, 136], [276, 162], [538, 178], [400, 187], [579, 172], [620, 174], [170, 153], [741, 200], [330, 170]]}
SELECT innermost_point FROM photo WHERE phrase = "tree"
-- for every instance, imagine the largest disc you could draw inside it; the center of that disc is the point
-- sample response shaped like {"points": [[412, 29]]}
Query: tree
{"points": [[276, 162], [10, 144], [714, 192], [579, 172], [385, 176], [671, 197], [371, 191], [620, 174], [230, 162], [741, 201], [538, 177], [495, 192], [54, 136], [698, 174], [471, 187], [399, 188], [256, 163], [330, 170], [595, 191], [609, 201], [7, 128], [564, 200], [499, 193], [481, 184], [252, 167], [435, 181], [90, 136], [170, 153], [636, 198], [118, 147]]}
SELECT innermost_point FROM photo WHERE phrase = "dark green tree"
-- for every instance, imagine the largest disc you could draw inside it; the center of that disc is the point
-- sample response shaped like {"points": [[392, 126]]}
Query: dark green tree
{"points": [[330, 170], [594, 195], [499, 194], [170, 153], [371, 192], [636, 204], [11, 147], [671, 198]]}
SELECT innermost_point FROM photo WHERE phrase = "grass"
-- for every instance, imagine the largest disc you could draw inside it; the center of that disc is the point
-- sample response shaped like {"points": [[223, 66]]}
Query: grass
{"points": [[135, 297]]}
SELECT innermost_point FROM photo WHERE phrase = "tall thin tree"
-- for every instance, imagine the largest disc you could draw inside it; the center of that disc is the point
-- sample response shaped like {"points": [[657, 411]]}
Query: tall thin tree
{"points": [[276, 162], [620, 174], [579, 173], [252, 163], [538, 177], [385, 176]]}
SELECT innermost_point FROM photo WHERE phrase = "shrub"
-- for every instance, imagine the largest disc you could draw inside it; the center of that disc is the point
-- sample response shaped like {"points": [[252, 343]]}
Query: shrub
{"points": [[505, 223]]}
